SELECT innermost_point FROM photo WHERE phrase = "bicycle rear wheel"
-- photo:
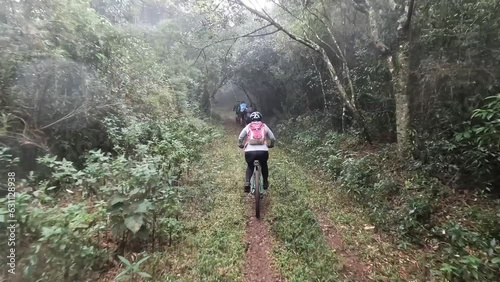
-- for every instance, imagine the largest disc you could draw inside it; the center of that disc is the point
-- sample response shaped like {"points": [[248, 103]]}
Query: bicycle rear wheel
{"points": [[256, 185]]}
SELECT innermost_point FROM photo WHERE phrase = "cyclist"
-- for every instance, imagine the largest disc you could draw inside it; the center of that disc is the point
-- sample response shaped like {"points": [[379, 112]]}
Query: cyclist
{"points": [[248, 111], [241, 113], [236, 109], [256, 148]]}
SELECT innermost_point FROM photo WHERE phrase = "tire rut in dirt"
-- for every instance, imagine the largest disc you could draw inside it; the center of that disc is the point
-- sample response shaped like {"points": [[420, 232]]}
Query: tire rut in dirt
{"points": [[353, 268], [258, 263]]}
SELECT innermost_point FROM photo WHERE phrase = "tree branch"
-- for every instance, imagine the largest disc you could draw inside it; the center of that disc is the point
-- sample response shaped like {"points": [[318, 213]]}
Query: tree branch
{"points": [[235, 38], [407, 23], [364, 7], [267, 18]]}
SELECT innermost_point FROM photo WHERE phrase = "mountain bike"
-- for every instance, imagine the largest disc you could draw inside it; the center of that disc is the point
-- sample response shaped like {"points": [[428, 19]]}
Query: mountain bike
{"points": [[240, 120], [257, 184]]}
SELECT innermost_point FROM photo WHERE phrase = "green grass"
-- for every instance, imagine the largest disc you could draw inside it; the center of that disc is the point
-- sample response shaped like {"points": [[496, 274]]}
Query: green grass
{"points": [[387, 260], [213, 247], [220, 241], [300, 249]]}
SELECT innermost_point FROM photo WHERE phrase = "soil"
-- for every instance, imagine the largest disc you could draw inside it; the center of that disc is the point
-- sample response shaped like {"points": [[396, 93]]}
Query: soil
{"points": [[258, 263], [353, 267]]}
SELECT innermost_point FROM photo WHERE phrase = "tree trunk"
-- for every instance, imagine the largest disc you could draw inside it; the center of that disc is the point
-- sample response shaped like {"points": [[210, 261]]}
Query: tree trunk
{"points": [[400, 85], [398, 63], [325, 102], [358, 116], [205, 97]]}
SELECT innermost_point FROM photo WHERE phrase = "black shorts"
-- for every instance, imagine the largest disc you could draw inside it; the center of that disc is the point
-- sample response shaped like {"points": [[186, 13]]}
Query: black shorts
{"points": [[261, 156]]}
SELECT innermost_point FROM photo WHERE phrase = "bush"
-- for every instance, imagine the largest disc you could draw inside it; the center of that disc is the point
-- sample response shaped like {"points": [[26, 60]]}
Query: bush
{"points": [[334, 165], [385, 189], [358, 177], [66, 248], [467, 255], [409, 203], [129, 196]]}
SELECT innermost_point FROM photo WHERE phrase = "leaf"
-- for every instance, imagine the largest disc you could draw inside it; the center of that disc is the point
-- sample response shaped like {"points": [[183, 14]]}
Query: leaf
{"points": [[143, 207], [144, 274], [496, 260], [125, 261], [118, 198], [46, 231], [134, 222], [142, 260], [135, 191], [122, 275]]}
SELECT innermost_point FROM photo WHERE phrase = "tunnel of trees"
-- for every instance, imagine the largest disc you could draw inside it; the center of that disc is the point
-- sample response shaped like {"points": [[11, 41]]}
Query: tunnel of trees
{"points": [[100, 97]]}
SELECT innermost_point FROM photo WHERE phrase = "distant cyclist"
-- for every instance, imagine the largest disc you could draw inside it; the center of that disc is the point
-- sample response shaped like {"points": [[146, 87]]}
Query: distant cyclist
{"points": [[236, 110], [236, 107], [254, 139], [242, 109], [248, 111]]}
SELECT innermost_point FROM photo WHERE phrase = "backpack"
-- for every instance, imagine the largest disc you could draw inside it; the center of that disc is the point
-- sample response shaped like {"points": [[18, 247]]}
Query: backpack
{"points": [[243, 106], [256, 133]]}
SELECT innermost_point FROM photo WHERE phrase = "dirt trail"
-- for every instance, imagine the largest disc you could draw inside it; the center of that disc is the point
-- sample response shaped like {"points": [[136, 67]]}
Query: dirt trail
{"points": [[353, 267], [258, 261]]}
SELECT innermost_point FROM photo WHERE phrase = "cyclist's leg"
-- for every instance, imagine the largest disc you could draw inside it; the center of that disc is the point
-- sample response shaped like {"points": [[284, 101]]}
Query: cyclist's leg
{"points": [[250, 156], [242, 118], [263, 156]]}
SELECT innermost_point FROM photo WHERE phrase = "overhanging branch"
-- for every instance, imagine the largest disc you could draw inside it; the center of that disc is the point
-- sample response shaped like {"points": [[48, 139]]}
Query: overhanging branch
{"points": [[235, 38]]}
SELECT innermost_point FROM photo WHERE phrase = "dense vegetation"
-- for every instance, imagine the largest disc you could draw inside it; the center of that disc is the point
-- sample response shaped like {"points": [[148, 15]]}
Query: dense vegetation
{"points": [[107, 108]]}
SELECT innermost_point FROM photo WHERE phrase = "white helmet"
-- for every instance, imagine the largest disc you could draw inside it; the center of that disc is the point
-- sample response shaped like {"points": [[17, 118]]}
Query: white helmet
{"points": [[255, 116]]}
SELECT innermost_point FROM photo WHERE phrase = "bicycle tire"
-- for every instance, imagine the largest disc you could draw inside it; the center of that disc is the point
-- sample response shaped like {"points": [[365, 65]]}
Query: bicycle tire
{"points": [[257, 191]]}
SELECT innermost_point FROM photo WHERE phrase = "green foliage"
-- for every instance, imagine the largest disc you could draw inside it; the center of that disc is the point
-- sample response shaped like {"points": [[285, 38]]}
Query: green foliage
{"points": [[468, 256], [334, 165], [59, 85], [488, 132], [132, 270], [7, 160], [131, 195], [64, 248], [478, 148], [357, 176], [407, 204]]}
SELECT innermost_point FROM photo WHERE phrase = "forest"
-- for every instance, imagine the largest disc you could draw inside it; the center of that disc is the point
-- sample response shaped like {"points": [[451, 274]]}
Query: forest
{"points": [[119, 147]]}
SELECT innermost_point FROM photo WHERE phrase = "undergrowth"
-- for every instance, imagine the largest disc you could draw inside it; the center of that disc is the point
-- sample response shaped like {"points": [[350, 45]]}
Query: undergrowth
{"points": [[404, 200], [81, 220]]}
